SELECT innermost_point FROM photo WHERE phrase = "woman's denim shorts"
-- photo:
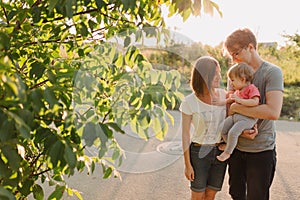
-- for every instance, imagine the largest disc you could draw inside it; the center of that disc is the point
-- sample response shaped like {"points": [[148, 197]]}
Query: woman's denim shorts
{"points": [[208, 170]]}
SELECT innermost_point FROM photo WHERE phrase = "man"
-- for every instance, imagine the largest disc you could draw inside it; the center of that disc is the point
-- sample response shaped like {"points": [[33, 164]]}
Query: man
{"points": [[252, 164]]}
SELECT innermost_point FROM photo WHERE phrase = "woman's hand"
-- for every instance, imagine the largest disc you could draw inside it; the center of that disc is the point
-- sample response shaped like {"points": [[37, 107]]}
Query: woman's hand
{"points": [[189, 173], [251, 133]]}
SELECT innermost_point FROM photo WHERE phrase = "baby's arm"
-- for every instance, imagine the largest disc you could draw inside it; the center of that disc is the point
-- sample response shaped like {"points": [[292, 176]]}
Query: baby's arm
{"points": [[246, 102]]}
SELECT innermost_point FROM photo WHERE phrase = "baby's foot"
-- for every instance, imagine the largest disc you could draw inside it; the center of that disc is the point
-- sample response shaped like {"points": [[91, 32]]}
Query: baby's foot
{"points": [[223, 156], [222, 147]]}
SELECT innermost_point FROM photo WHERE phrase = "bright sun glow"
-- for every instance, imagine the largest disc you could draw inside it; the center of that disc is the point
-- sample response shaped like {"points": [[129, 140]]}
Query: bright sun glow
{"points": [[268, 19]]}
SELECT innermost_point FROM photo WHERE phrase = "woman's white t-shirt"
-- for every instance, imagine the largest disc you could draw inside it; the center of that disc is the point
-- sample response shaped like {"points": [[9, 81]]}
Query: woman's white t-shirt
{"points": [[206, 119]]}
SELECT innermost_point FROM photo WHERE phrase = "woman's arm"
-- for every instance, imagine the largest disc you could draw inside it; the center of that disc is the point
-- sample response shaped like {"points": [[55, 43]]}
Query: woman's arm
{"points": [[186, 126]]}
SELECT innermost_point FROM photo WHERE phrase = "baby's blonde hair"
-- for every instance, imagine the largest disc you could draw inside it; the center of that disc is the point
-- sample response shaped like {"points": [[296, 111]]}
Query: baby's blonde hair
{"points": [[241, 70]]}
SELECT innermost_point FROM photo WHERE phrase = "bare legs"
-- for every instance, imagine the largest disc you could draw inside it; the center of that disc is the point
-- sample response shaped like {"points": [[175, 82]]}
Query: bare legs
{"points": [[209, 194]]}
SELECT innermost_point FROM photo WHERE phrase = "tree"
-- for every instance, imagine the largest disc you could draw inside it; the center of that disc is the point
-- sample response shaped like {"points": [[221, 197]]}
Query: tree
{"points": [[66, 86]]}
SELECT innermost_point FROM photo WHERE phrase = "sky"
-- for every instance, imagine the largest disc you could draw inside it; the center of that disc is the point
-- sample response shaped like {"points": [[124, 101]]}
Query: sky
{"points": [[268, 19]]}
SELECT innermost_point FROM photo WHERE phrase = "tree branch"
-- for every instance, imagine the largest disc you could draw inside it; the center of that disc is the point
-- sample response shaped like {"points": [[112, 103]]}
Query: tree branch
{"points": [[5, 15], [43, 42], [36, 159], [106, 114], [39, 84], [48, 119], [87, 12], [41, 172], [36, 3], [79, 13]]}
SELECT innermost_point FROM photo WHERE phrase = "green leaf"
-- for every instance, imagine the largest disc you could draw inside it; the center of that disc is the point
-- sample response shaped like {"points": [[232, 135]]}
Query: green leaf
{"points": [[100, 3], [89, 134], [36, 100], [217, 8], [26, 27], [162, 77], [160, 127], [116, 127], [69, 9], [135, 127], [77, 193], [36, 14], [11, 14], [6, 130], [86, 2], [5, 172], [11, 84], [116, 154], [186, 14], [4, 41], [81, 52], [5, 194], [104, 131], [20, 125], [154, 77], [26, 187], [50, 97], [11, 154], [127, 41], [146, 101], [56, 152], [92, 24], [83, 29], [129, 4], [37, 70], [70, 157], [156, 125], [52, 4], [107, 172], [57, 193], [168, 82], [144, 119], [93, 166], [38, 192]]}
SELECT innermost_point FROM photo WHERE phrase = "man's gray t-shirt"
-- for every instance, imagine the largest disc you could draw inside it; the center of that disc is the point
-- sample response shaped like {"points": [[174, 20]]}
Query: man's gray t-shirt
{"points": [[267, 78]]}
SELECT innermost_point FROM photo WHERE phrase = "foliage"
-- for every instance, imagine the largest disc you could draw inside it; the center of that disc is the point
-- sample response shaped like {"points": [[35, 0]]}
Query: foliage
{"points": [[287, 58], [291, 103], [65, 87]]}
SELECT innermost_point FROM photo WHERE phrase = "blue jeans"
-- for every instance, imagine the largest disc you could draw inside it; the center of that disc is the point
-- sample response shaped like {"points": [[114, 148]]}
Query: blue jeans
{"points": [[251, 174], [209, 171]]}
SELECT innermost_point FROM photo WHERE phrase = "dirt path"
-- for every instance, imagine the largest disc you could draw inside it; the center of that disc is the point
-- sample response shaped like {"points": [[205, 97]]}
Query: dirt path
{"points": [[154, 170]]}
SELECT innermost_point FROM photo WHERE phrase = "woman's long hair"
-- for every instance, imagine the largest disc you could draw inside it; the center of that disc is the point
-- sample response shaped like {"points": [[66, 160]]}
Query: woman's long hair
{"points": [[203, 74]]}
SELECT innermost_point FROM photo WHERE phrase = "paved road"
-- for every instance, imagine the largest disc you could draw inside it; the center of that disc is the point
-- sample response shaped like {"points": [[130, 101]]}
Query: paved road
{"points": [[153, 170]]}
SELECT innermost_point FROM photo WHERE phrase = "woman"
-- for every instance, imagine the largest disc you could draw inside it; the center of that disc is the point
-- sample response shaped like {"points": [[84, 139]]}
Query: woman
{"points": [[202, 169]]}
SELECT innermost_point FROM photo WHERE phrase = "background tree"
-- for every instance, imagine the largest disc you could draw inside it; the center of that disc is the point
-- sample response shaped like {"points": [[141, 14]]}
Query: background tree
{"points": [[64, 86], [288, 58]]}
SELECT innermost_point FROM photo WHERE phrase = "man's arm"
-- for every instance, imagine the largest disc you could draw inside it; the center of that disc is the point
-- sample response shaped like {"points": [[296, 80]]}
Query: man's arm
{"points": [[270, 110]]}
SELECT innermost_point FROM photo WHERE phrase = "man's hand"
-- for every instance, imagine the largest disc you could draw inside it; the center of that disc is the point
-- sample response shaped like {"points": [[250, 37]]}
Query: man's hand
{"points": [[251, 133]]}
